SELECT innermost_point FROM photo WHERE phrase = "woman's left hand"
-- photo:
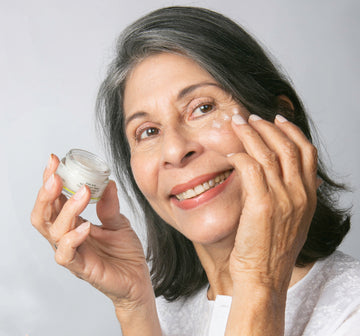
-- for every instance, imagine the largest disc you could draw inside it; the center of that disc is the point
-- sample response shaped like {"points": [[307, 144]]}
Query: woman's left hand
{"points": [[278, 174]]}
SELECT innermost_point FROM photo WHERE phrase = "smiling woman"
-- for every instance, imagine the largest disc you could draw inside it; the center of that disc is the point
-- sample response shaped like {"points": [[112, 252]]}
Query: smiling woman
{"points": [[241, 217]]}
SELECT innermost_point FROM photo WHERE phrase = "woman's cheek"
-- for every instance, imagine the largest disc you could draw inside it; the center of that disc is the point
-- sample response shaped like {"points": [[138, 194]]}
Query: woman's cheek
{"points": [[221, 138], [143, 169]]}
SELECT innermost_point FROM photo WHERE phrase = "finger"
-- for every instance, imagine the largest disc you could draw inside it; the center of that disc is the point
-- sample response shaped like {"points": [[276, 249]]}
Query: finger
{"points": [[66, 252], [51, 167], [47, 204], [286, 150], [308, 152], [108, 209], [68, 216], [251, 175], [257, 148]]}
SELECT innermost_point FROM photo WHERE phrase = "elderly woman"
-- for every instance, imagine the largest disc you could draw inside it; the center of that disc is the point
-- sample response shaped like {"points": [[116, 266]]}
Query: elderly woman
{"points": [[242, 222]]}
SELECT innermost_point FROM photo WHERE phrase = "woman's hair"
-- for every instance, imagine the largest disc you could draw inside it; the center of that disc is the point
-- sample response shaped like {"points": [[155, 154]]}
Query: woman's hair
{"points": [[239, 64]]}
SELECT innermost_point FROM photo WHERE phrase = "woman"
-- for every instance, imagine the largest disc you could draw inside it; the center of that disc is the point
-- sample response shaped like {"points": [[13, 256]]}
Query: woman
{"points": [[241, 217]]}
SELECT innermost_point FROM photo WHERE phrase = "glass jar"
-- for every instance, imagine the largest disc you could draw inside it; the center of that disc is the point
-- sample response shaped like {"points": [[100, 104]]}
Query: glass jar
{"points": [[79, 168]]}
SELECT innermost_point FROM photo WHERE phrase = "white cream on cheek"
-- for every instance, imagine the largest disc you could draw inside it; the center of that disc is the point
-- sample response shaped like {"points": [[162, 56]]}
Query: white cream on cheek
{"points": [[224, 118]]}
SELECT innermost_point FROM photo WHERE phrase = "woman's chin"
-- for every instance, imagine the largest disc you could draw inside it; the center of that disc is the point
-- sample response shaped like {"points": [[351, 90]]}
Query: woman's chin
{"points": [[211, 233]]}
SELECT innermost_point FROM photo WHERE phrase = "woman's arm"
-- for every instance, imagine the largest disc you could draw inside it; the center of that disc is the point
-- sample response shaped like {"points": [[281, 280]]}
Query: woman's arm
{"points": [[140, 319], [110, 257], [256, 310], [278, 173]]}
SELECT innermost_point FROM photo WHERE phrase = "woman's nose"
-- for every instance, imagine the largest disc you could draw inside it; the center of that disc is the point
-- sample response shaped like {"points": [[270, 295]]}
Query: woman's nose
{"points": [[179, 148]]}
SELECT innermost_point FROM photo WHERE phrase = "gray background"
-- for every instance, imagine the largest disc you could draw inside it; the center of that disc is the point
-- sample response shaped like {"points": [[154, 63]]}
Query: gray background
{"points": [[53, 55]]}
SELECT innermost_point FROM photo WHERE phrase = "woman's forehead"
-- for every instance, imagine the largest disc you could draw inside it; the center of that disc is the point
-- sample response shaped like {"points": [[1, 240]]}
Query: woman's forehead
{"points": [[160, 75]]}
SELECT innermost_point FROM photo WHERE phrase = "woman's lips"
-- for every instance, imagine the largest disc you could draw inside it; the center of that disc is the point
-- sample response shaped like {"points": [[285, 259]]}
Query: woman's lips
{"points": [[185, 203], [180, 188]]}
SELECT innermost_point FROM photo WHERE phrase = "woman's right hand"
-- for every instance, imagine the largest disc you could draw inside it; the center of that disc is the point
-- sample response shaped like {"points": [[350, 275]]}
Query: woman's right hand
{"points": [[110, 257]]}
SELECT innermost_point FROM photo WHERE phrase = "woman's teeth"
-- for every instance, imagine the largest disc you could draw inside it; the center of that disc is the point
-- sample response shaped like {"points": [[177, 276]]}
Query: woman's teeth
{"points": [[201, 188]]}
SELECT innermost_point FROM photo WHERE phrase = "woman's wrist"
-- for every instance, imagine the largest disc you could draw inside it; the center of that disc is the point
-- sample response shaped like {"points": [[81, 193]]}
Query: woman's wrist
{"points": [[138, 318], [256, 310]]}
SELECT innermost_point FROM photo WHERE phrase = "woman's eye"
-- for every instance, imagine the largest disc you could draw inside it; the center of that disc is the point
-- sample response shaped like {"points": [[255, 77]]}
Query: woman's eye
{"points": [[202, 109], [151, 131]]}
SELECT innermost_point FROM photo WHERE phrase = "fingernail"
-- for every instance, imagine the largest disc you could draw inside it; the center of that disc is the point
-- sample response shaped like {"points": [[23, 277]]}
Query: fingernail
{"points": [[280, 118], [238, 119], [80, 193], [50, 182], [83, 227], [254, 117]]}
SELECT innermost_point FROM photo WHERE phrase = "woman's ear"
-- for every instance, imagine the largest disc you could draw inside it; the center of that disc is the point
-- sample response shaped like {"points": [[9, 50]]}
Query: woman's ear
{"points": [[285, 107]]}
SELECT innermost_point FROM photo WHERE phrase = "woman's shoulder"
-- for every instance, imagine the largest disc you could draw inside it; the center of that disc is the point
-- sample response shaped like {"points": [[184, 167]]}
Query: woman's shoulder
{"points": [[326, 297], [341, 272]]}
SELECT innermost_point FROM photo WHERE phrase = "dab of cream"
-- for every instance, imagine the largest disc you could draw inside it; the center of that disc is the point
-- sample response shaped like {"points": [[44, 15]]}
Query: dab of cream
{"points": [[216, 124], [226, 117], [235, 111]]}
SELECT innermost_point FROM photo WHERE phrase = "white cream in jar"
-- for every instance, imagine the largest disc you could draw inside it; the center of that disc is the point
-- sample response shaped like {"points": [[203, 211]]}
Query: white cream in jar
{"points": [[80, 167]]}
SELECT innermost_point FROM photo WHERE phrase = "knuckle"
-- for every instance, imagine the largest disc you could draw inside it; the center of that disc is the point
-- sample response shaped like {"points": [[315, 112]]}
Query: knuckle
{"points": [[254, 167], [270, 159], [254, 170], [34, 219], [302, 199], [290, 149], [66, 241], [248, 132], [43, 196], [53, 233], [286, 207], [61, 259]]}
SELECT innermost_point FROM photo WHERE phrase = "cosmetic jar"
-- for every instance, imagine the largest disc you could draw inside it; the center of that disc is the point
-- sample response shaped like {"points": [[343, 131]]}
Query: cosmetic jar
{"points": [[79, 168]]}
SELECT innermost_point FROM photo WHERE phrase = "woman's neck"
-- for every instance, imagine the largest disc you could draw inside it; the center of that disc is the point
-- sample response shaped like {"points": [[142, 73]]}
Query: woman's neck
{"points": [[215, 261]]}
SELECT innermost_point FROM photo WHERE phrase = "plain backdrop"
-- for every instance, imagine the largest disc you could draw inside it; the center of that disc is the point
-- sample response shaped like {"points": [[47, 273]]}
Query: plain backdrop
{"points": [[53, 56]]}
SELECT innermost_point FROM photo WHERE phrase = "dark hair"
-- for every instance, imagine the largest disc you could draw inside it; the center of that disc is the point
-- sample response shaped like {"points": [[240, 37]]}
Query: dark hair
{"points": [[241, 67]]}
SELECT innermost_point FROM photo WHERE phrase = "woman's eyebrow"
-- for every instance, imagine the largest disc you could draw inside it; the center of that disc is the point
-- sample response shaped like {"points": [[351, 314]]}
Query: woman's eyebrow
{"points": [[139, 114], [187, 90], [184, 92]]}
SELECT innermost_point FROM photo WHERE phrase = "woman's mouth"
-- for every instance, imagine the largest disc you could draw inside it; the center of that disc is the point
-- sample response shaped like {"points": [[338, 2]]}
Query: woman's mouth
{"points": [[203, 187]]}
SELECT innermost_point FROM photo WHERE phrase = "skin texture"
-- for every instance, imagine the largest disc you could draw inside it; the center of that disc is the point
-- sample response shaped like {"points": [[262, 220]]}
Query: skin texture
{"points": [[163, 156], [247, 231]]}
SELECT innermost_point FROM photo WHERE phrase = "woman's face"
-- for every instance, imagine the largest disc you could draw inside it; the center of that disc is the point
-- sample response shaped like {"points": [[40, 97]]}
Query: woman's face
{"points": [[178, 126]]}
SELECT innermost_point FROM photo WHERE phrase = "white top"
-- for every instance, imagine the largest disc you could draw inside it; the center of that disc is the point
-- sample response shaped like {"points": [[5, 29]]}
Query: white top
{"points": [[326, 302]]}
